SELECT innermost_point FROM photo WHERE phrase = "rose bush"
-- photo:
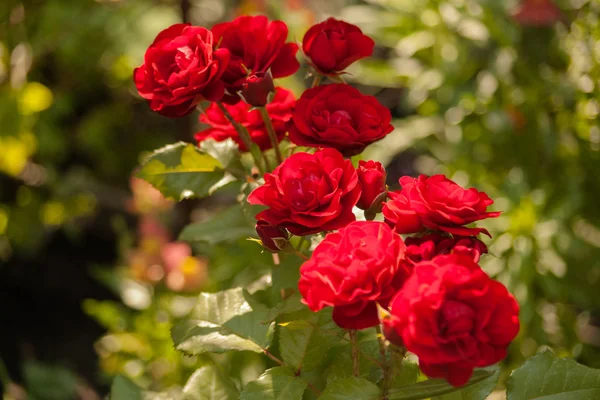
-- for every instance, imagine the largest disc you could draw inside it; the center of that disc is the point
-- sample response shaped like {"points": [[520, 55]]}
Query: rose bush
{"points": [[334, 280]]}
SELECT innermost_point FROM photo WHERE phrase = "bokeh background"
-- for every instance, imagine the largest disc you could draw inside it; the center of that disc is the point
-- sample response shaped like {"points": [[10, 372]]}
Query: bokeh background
{"points": [[91, 274]]}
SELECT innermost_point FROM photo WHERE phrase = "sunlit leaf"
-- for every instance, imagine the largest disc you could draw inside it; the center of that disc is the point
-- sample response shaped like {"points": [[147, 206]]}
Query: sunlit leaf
{"points": [[277, 383]]}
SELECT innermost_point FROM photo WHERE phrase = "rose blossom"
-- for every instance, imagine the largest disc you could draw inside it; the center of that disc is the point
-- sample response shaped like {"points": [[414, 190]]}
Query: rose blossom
{"points": [[537, 13], [333, 45], [340, 117], [352, 270], [436, 203], [180, 69], [257, 45], [371, 177], [427, 247], [280, 111], [453, 317], [309, 193]]}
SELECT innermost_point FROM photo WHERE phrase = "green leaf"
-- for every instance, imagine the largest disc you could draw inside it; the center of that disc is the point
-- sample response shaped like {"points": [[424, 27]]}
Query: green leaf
{"points": [[223, 321], [181, 171], [46, 381], [435, 387], [304, 344], [226, 226], [286, 274], [207, 383], [351, 388], [409, 374], [279, 383], [368, 356], [545, 377], [287, 306], [123, 389], [478, 391]]}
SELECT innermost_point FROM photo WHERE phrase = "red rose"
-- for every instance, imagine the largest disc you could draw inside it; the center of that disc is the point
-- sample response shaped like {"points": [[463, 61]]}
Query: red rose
{"points": [[180, 69], [427, 247], [256, 45], [436, 203], [339, 116], [453, 317], [537, 13], [280, 111], [352, 270], [273, 238], [333, 45], [371, 178], [256, 89], [309, 193]]}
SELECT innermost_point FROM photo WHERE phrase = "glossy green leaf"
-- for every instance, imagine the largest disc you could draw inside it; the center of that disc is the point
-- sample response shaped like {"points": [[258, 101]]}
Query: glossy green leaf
{"points": [[304, 344], [478, 391], [279, 383], [223, 321], [181, 171], [228, 225], [436, 387], [351, 388], [208, 383], [546, 377], [123, 389]]}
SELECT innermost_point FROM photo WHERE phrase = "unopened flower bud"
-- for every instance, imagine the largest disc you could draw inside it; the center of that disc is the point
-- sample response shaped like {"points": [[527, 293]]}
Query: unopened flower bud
{"points": [[273, 238], [256, 89]]}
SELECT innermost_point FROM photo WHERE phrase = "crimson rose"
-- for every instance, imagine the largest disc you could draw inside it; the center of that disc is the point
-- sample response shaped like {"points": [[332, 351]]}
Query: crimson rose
{"points": [[352, 270], [180, 69], [426, 247], [280, 111], [256, 45], [453, 317], [436, 203], [339, 116], [309, 193], [371, 177], [333, 45]]}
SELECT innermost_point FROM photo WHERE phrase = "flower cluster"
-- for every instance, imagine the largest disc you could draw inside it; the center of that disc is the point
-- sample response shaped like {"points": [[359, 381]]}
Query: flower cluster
{"points": [[437, 302]]}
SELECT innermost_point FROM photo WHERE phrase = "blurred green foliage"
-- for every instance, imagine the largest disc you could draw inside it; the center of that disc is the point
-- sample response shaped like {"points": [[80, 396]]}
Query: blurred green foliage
{"points": [[510, 109]]}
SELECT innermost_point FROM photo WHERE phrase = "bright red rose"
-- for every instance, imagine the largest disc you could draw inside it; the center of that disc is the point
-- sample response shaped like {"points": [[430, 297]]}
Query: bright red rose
{"points": [[340, 117], [426, 247], [371, 178], [537, 13], [333, 45], [453, 317], [353, 269], [180, 69], [280, 111], [309, 193], [436, 203], [256, 45]]}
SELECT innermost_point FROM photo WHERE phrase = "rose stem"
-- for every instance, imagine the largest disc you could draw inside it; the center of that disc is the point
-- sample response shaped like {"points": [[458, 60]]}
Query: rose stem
{"points": [[386, 366], [394, 368], [271, 132], [244, 135], [354, 344], [283, 364]]}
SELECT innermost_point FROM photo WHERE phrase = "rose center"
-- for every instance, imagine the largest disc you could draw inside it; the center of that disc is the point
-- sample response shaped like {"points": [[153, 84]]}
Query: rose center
{"points": [[184, 57], [456, 318], [340, 117]]}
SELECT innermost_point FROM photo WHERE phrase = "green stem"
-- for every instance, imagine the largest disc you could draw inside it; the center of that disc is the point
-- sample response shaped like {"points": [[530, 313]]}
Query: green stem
{"points": [[354, 344], [244, 136], [271, 132], [387, 367]]}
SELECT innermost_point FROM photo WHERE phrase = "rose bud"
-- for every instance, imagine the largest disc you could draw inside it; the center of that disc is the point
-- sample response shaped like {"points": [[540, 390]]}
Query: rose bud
{"points": [[256, 89], [273, 238], [371, 178]]}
